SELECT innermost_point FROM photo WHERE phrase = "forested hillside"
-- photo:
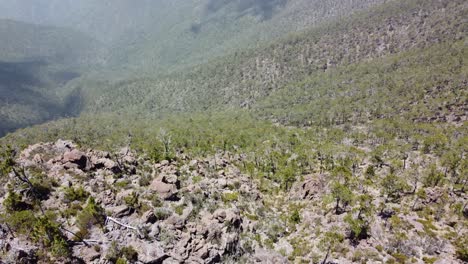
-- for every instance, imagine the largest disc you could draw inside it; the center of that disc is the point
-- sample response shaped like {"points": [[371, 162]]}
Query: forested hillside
{"points": [[162, 36], [247, 131], [35, 62], [347, 59]]}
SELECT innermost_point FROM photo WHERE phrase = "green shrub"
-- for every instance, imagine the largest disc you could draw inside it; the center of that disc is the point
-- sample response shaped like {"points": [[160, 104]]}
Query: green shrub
{"points": [[71, 194], [21, 222], [342, 195], [197, 179], [393, 186], [121, 261], [145, 180], [14, 202], [400, 258], [48, 233], [295, 217], [72, 210], [7, 160], [359, 228], [122, 184], [162, 213], [180, 209], [370, 172], [91, 215], [433, 178], [428, 260], [129, 253], [230, 197], [132, 200], [115, 254], [379, 248], [461, 248], [156, 201]]}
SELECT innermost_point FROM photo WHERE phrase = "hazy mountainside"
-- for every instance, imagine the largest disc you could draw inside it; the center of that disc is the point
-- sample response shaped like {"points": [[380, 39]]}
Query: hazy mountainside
{"points": [[153, 37], [35, 61], [22, 41], [159, 36], [268, 131], [400, 59], [209, 30], [368, 50]]}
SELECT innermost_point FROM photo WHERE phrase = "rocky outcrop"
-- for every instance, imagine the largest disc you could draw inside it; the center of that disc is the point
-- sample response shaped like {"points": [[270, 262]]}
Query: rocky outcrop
{"points": [[168, 212], [206, 210]]}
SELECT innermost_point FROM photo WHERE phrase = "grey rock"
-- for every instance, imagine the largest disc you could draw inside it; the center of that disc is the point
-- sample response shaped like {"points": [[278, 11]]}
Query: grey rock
{"points": [[63, 145], [220, 215], [171, 179], [121, 211], [75, 157], [165, 191], [175, 222]]}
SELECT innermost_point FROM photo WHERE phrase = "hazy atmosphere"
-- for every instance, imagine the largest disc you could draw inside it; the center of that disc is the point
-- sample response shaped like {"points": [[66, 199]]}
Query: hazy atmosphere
{"points": [[233, 131]]}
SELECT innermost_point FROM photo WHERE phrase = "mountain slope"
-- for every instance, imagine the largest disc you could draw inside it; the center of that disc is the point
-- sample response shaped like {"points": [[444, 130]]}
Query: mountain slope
{"points": [[162, 36], [22, 41], [343, 143], [403, 60], [35, 62], [244, 78]]}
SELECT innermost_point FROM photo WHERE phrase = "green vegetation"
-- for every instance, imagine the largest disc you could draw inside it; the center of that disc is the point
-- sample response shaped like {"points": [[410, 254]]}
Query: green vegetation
{"points": [[230, 197], [76, 194], [40, 229], [363, 116], [92, 214], [132, 201], [121, 255]]}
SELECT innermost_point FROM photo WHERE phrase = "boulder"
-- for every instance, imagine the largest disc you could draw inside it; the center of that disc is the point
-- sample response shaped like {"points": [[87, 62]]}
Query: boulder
{"points": [[25, 256], [285, 246], [64, 145], [165, 191], [75, 157], [175, 222], [233, 219], [121, 211], [222, 183], [308, 189], [106, 164], [149, 252], [171, 179], [220, 215]]}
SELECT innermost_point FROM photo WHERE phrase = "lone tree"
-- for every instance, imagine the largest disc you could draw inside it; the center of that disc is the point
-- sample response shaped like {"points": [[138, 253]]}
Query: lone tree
{"points": [[341, 187], [342, 195]]}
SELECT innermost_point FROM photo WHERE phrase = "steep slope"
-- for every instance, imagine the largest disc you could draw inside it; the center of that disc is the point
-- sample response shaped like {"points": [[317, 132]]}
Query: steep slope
{"points": [[211, 30], [217, 168], [161, 36], [379, 40]]}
